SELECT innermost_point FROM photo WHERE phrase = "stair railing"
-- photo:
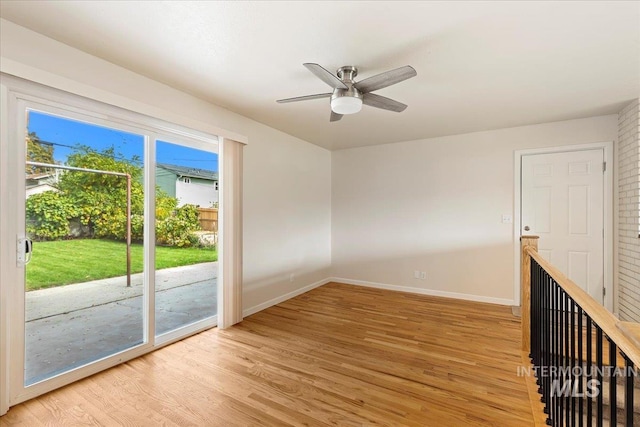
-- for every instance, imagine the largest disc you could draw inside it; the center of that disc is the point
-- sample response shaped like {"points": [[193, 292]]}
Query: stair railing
{"points": [[585, 364]]}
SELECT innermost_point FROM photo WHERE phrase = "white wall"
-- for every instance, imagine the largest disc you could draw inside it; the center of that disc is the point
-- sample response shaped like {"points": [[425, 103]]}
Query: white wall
{"points": [[287, 193], [287, 217], [435, 205]]}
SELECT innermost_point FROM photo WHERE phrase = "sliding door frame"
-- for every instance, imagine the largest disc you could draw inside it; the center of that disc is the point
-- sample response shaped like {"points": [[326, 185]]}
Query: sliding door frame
{"points": [[17, 94]]}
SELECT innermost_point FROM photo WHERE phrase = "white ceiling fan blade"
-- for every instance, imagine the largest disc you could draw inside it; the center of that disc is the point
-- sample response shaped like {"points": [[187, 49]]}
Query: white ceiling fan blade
{"points": [[335, 117], [304, 98], [385, 79], [324, 75], [373, 100]]}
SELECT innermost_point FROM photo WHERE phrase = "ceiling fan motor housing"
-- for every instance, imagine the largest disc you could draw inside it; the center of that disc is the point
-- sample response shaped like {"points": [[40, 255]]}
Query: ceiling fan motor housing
{"points": [[347, 73], [346, 101]]}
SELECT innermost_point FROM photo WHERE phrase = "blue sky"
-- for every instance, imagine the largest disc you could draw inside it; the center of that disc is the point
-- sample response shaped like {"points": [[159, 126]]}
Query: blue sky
{"points": [[65, 134]]}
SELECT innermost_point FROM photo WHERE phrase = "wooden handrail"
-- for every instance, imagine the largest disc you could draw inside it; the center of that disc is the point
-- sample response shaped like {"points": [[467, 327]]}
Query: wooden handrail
{"points": [[605, 320]]}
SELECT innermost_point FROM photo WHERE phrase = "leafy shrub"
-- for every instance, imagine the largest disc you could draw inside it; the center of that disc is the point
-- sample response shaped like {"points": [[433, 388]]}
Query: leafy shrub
{"points": [[165, 205], [177, 230], [190, 214], [112, 224], [48, 215], [174, 231]]}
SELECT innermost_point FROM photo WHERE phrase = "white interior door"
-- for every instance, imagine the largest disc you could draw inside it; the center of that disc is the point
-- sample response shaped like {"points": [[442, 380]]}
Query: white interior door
{"points": [[563, 203]]}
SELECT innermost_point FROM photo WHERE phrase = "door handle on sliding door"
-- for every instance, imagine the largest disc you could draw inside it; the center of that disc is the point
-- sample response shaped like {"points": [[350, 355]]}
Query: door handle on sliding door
{"points": [[24, 251]]}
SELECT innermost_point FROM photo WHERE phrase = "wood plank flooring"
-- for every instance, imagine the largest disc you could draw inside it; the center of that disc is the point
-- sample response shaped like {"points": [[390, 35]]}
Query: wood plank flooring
{"points": [[338, 355]]}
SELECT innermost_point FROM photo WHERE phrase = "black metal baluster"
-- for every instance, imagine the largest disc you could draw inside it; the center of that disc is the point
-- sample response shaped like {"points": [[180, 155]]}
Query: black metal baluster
{"points": [[556, 300], [628, 395], [560, 362], [580, 363], [549, 346], [599, 368], [545, 335], [533, 314], [536, 351], [540, 326], [572, 379], [553, 333], [590, 371], [567, 353], [536, 326], [613, 362]]}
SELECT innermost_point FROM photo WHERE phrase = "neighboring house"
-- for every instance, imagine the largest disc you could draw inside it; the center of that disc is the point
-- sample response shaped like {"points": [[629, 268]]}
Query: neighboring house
{"points": [[189, 185], [41, 182]]}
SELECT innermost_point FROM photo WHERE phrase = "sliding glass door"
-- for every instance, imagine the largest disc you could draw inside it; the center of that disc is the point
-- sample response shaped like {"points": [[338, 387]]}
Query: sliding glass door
{"points": [[116, 252], [187, 229], [83, 288]]}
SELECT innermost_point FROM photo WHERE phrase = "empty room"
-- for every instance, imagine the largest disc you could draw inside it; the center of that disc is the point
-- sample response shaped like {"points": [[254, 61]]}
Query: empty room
{"points": [[288, 213]]}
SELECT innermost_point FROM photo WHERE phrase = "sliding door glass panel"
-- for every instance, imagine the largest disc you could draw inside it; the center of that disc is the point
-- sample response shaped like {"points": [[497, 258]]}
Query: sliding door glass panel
{"points": [[186, 235], [84, 283]]}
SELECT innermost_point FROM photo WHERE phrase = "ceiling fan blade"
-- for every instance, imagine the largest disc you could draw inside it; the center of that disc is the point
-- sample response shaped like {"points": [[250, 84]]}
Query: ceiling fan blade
{"points": [[335, 117], [373, 100], [324, 75], [385, 79], [304, 98]]}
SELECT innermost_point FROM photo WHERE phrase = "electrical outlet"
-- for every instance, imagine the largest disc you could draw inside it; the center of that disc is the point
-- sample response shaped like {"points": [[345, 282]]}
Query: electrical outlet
{"points": [[423, 275], [291, 277], [507, 219]]}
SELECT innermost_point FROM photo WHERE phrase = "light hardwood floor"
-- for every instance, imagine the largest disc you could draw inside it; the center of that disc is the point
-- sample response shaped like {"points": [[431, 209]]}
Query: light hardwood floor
{"points": [[338, 355]]}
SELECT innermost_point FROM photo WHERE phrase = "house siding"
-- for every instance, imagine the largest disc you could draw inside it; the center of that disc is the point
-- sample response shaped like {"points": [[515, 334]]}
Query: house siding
{"points": [[166, 181], [629, 212], [197, 192]]}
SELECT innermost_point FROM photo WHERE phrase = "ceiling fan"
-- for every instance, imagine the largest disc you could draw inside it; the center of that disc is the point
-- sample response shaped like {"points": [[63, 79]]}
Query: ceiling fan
{"points": [[348, 96]]}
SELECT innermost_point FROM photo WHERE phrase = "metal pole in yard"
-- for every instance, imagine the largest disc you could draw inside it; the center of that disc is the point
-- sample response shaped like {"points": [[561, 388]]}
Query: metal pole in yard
{"points": [[72, 168]]}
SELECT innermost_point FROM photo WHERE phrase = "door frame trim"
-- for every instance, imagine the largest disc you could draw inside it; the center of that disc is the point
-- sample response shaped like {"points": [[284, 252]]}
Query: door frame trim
{"points": [[610, 195]]}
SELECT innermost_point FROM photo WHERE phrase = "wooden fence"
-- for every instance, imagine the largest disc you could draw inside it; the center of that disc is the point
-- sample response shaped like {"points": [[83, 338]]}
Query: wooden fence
{"points": [[208, 218]]}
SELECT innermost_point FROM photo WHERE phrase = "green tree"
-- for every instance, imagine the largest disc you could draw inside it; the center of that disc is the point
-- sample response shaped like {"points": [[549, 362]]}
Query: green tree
{"points": [[101, 199], [38, 151]]}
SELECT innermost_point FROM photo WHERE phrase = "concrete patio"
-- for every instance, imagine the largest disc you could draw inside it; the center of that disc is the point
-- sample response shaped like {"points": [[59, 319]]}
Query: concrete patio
{"points": [[71, 325]]}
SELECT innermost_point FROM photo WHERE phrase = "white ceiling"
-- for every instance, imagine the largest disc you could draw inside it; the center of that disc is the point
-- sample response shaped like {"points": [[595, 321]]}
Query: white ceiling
{"points": [[481, 65]]}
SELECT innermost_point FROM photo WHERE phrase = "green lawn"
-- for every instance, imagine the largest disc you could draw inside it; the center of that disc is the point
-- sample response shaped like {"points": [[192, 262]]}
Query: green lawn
{"points": [[73, 261]]}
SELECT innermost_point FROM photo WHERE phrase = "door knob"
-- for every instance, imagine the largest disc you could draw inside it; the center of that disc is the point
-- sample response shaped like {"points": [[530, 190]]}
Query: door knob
{"points": [[526, 228]]}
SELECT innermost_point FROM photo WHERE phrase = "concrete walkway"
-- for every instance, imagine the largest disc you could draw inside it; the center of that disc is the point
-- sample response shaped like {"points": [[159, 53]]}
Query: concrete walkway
{"points": [[71, 325]]}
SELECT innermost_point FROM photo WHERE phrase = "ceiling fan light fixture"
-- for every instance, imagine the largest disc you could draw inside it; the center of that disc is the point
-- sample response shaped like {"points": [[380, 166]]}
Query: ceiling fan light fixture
{"points": [[346, 105], [348, 95]]}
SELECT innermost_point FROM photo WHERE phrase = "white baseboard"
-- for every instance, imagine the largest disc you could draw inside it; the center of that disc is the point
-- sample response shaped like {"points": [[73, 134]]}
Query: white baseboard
{"points": [[277, 300], [422, 291], [467, 297]]}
